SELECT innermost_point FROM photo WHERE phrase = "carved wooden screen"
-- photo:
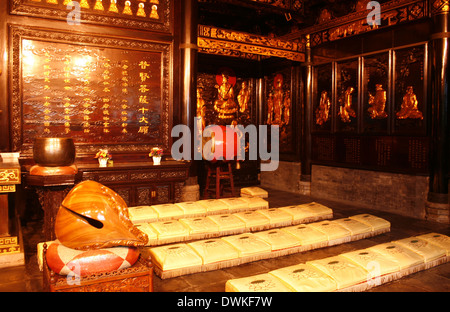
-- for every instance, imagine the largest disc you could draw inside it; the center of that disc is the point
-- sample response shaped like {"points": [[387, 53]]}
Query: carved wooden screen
{"points": [[99, 91], [379, 114]]}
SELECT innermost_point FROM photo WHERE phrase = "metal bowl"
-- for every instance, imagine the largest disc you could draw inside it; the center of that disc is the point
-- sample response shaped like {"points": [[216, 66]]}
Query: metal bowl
{"points": [[54, 152]]}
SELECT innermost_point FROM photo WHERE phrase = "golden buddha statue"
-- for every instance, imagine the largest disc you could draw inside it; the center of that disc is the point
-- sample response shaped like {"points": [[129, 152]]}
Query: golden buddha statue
{"points": [[270, 109], [323, 110], [409, 107], [201, 106], [225, 104], [377, 103], [278, 101], [287, 108], [346, 111], [243, 97]]}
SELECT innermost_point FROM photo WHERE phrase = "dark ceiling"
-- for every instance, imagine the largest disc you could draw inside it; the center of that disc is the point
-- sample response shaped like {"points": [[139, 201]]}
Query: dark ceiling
{"points": [[265, 19]]}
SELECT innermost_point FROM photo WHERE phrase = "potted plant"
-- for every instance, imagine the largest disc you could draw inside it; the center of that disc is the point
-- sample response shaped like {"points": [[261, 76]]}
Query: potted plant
{"points": [[156, 153], [103, 156]]}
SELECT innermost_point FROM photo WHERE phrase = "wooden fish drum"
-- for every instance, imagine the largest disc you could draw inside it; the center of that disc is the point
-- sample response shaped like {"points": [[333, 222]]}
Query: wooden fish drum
{"points": [[93, 216]]}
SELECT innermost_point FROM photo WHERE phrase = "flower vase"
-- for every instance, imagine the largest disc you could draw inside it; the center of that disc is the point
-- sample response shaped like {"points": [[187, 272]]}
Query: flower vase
{"points": [[157, 160], [102, 162]]}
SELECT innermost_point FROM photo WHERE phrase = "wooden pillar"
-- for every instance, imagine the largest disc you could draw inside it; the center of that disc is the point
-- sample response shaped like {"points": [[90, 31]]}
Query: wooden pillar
{"points": [[306, 120], [438, 198], [188, 70]]}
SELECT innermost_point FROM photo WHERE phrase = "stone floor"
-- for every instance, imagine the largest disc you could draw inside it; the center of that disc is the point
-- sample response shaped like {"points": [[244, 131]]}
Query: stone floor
{"points": [[28, 278]]}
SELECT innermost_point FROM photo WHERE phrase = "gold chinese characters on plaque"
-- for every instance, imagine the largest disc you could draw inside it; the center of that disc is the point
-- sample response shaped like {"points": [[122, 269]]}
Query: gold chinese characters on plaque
{"points": [[96, 95]]}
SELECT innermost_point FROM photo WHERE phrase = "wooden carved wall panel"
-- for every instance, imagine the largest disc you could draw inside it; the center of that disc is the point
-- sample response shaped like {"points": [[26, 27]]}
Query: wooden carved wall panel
{"points": [[376, 93], [207, 85], [385, 124], [278, 108], [347, 91], [410, 90], [98, 90], [393, 13], [154, 15], [404, 154], [323, 98]]}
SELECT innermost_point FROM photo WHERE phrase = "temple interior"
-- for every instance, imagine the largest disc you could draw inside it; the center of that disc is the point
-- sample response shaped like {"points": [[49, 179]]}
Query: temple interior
{"points": [[224, 146]]}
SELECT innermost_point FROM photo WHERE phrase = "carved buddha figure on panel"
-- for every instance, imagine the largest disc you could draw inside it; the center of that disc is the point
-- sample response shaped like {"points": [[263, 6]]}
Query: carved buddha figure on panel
{"points": [[201, 106], [323, 110], [409, 107], [279, 103], [377, 103], [346, 111], [243, 97], [225, 104]]}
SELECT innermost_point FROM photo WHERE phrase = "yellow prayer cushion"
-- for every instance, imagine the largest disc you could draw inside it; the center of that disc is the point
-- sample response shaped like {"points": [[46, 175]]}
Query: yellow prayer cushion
{"points": [[305, 278], [149, 231], [437, 239], [306, 234], [168, 211], [227, 222], [214, 250], [254, 191], [192, 209], [176, 256], [248, 244], [200, 225], [404, 257], [253, 219], [214, 206], [340, 269], [257, 283], [140, 214], [422, 247], [256, 202], [298, 212], [276, 216], [354, 226], [318, 209], [170, 229], [375, 222], [332, 229], [375, 263], [235, 204], [278, 239]]}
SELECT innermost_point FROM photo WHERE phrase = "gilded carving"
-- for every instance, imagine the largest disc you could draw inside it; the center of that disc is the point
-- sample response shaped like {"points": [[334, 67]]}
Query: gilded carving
{"points": [[346, 110], [9, 176], [279, 103], [213, 40], [441, 6], [409, 107], [393, 13], [377, 103], [323, 110], [121, 13], [225, 104]]}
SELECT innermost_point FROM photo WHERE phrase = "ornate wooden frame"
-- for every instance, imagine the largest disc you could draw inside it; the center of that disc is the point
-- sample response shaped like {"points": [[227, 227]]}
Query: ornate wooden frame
{"points": [[39, 8], [219, 41], [18, 33]]}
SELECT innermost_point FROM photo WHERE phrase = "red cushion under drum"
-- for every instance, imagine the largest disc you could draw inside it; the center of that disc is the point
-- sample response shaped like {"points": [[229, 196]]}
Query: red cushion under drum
{"points": [[66, 261]]}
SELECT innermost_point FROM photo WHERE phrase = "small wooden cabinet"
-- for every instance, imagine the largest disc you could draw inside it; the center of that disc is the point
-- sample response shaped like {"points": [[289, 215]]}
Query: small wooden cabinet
{"points": [[140, 183]]}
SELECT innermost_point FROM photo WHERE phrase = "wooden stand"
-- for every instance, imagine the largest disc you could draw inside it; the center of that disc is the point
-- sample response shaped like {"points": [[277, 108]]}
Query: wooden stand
{"points": [[138, 278], [219, 171]]}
